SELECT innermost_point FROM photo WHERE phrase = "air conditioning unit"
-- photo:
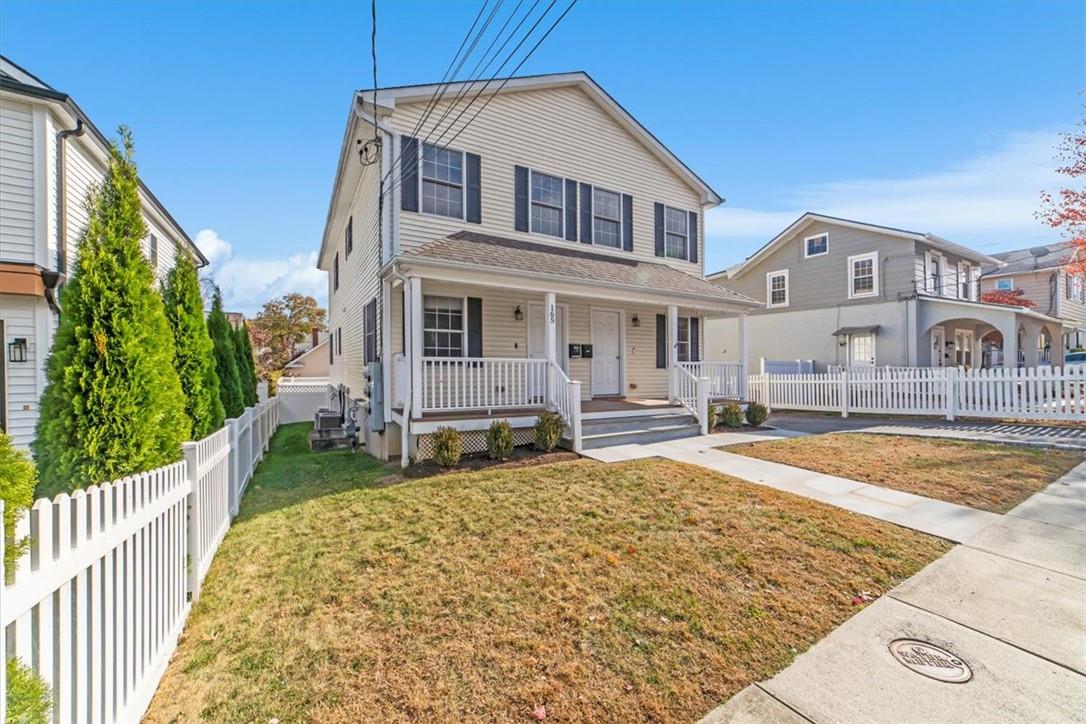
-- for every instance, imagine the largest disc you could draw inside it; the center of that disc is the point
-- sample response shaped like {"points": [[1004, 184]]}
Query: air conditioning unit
{"points": [[326, 420]]}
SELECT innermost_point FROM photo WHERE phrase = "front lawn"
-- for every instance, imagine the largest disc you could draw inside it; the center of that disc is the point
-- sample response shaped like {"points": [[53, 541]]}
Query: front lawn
{"points": [[980, 475], [646, 590]]}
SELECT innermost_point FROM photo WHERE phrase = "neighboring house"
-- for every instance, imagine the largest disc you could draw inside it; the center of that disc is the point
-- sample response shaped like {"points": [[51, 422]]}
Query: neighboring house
{"points": [[848, 293], [1044, 276], [51, 155], [312, 358], [235, 319], [554, 243]]}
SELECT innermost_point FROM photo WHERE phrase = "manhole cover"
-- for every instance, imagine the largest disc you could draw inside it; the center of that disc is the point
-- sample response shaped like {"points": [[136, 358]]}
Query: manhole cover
{"points": [[931, 661]]}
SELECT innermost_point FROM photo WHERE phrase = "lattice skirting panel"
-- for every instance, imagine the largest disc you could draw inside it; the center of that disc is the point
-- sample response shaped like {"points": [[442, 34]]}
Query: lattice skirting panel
{"points": [[473, 441]]}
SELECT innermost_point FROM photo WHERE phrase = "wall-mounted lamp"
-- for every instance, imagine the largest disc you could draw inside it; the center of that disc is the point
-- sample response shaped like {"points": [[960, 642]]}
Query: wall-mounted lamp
{"points": [[518, 315], [949, 344], [842, 341], [636, 321], [17, 350]]}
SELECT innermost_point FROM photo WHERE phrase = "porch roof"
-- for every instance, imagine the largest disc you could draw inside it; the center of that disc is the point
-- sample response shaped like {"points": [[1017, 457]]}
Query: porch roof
{"points": [[488, 253]]}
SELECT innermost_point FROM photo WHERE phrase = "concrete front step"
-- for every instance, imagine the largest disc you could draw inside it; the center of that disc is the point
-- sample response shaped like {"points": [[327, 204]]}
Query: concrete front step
{"points": [[601, 426], [597, 434]]}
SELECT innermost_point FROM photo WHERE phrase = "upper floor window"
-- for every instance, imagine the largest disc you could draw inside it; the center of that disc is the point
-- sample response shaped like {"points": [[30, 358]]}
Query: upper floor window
{"points": [[443, 327], [935, 274], [547, 204], [348, 236], [1004, 285], [442, 181], [1077, 288], [863, 278], [606, 218], [335, 273], [676, 233], [776, 285], [965, 281], [816, 245]]}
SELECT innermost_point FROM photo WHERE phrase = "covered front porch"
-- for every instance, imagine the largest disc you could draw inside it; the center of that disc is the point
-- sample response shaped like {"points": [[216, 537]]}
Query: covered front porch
{"points": [[987, 336]]}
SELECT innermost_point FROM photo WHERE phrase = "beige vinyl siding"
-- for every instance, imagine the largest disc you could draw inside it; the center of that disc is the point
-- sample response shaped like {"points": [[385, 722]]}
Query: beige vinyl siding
{"points": [[17, 242], [1037, 286], [950, 270], [505, 337], [358, 282], [822, 281], [21, 315], [1071, 310], [559, 131]]}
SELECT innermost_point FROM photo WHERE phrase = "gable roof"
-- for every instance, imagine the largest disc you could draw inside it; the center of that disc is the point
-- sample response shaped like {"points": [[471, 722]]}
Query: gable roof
{"points": [[388, 97], [486, 252], [1035, 258], [811, 217], [16, 79]]}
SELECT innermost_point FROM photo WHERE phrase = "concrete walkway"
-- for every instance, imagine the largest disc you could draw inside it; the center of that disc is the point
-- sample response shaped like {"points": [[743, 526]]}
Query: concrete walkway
{"points": [[1065, 437], [946, 520], [1010, 603]]}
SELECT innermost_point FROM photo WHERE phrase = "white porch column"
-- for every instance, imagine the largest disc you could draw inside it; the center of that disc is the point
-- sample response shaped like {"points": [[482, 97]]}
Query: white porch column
{"points": [[672, 349], [386, 347], [414, 352], [742, 321], [551, 323]]}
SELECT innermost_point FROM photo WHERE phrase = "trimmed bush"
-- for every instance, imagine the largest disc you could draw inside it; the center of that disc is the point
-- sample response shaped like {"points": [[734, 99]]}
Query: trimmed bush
{"points": [[714, 416], [757, 413], [447, 447], [731, 415], [499, 440], [29, 698], [243, 347], [548, 431], [113, 403], [194, 353], [226, 359], [18, 479]]}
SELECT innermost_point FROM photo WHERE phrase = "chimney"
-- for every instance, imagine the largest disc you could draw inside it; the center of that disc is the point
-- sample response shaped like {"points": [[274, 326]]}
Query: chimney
{"points": [[316, 336]]}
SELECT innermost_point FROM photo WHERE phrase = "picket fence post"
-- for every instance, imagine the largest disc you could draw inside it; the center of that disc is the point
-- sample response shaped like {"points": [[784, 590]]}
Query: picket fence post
{"points": [[192, 539], [703, 404], [844, 392], [235, 464], [951, 399]]}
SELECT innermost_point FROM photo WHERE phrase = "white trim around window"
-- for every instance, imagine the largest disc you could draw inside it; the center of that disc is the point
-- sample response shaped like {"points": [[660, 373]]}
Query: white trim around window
{"points": [[807, 245], [532, 203], [868, 272], [1004, 284], [770, 278], [671, 231], [437, 181], [440, 338], [607, 220]]}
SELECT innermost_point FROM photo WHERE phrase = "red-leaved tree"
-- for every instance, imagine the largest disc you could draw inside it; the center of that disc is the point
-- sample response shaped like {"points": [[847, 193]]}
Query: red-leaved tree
{"points": [[1066, 209], [1013, 297]]}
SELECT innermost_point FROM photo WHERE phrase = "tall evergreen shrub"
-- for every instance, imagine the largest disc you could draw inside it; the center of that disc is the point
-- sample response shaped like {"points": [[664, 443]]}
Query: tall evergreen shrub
{"points": [[113, 404], [226, 359], [194, 354], [246, 366]]}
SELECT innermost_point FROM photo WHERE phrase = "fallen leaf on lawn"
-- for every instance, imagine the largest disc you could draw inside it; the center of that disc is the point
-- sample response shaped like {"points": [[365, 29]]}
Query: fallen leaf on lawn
{"points": [[539, 713]]}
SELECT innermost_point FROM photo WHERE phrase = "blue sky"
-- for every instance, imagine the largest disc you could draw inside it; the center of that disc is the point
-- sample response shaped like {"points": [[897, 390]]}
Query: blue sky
{"points": [[935, 116]]}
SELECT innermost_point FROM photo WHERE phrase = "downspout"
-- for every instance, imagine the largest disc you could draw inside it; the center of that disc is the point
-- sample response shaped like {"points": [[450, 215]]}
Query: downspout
{"points": [[62, 194]]}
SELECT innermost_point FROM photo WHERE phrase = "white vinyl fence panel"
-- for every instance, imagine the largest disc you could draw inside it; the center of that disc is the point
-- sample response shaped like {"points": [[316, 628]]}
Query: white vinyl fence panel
{"points": [[97, 603], [300, 398]]}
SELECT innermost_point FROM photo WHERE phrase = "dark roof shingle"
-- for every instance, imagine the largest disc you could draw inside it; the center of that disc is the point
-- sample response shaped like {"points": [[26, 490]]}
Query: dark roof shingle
{"points": [[1048, 256]]}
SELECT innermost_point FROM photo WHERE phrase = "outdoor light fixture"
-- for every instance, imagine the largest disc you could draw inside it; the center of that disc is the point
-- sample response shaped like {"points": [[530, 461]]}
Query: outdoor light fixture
{"points": [[636, 321], [517, 314], [17, 350]]}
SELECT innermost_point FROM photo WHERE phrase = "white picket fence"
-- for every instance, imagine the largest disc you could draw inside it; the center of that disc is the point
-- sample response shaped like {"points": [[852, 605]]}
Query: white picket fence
{"points": [[1041, 393], [96, 605]]}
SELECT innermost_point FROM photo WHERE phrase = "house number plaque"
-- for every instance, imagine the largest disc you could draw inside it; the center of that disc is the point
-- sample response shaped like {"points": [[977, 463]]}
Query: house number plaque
{"points": [[930, 661]]}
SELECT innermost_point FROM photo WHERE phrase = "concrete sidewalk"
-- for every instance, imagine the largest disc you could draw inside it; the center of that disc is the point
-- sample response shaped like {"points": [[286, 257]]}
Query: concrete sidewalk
{"points": [[1010, 603]]}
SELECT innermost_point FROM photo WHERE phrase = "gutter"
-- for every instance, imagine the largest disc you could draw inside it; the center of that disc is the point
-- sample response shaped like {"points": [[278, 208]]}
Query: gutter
{"points": [[62, 192]]}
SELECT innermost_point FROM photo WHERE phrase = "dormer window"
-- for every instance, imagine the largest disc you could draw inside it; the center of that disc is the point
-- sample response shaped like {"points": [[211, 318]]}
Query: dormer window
{"points": [[816, 245], [442, 181]]}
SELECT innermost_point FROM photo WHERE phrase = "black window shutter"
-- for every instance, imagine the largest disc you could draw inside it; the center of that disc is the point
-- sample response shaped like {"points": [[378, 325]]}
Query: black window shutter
{"points": [[409, 173], [693, 236], [586, 213], [571, 210], [661, 341], [331, 350], [520, 192], [335, 272], [474, 189], [659, 212], [695, 341], [627, 222], [475, 327]]}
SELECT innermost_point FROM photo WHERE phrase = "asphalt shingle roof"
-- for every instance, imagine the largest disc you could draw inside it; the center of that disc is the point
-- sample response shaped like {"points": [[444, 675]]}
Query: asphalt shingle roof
{"points": [[1023, 260], [468, 247]]}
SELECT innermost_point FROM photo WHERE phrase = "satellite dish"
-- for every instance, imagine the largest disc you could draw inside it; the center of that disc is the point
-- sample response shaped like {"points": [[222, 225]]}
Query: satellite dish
{"points": [[1039, 251]]}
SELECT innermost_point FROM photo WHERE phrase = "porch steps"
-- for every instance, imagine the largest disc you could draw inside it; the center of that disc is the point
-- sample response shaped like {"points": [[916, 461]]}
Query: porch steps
{"points": [[599, 432]]}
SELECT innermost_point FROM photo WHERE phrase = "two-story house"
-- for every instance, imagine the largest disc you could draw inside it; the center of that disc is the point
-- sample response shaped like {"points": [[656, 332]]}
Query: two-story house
{"points": [[548, 254], [848, 293], [1044, 276], [51, 156]]}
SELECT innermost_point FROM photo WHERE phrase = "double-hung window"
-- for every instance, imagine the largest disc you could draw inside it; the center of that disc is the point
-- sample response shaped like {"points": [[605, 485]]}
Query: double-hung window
{"points": [[965, 280], [935, 274], [863, 275], [443, 327], [606, 218], [776, 288], [682, 344], [676, 233], [547, 204], [1078, 288], [442, 181], [816, 245]]}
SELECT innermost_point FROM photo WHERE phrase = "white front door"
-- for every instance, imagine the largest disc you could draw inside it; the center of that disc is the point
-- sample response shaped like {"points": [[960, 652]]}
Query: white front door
{"points": [[938, 346], [606, 353], [537, 335], [861, 350]]}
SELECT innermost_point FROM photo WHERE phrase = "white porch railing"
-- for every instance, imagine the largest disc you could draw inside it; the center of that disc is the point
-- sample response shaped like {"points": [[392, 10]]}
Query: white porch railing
{"points": [[726, 379], [565, 396], [488, 383], [692, 393]]}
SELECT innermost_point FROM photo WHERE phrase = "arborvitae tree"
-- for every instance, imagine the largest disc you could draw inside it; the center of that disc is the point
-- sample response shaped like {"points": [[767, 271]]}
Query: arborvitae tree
{"points": [[246, 367], [226, 359], [194, 354], [113, 404]]}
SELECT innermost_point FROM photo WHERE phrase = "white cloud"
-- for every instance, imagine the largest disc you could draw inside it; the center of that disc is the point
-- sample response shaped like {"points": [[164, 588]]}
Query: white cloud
{"points": [[987, 202], [247, 283]]}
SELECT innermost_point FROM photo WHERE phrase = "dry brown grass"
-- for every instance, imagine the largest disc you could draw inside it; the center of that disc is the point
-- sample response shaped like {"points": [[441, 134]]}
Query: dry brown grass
{"points": [[989, 477], [644, 591]]}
